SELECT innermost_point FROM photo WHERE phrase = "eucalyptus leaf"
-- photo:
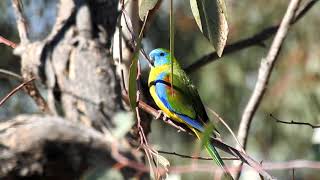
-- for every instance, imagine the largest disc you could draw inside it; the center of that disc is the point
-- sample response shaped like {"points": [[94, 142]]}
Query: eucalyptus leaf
{"points": [[133, 76], [163, 161], [211, 19], [145, 6]]}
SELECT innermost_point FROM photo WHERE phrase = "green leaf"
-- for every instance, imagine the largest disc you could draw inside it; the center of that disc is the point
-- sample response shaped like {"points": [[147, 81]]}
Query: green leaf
{"points": [[133, 76], [123, 122], [145, 6], [210, 16]]}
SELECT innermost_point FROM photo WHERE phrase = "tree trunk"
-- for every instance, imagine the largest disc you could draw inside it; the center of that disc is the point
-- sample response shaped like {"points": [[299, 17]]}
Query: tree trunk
{"points": [[74, 63]]}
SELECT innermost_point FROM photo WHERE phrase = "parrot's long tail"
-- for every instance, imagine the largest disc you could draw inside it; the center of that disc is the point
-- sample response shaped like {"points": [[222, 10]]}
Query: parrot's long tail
{"points": [[216, 158]]}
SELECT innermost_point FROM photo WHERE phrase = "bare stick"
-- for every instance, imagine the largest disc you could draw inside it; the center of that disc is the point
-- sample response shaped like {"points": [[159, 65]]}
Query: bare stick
{"points": [[7, 42], [10, 73], [226, 125], [254, 40], [195, 157], [265, 70], [295, 122], [21, 21], [3, 100], [296, 164], [217, 143]]}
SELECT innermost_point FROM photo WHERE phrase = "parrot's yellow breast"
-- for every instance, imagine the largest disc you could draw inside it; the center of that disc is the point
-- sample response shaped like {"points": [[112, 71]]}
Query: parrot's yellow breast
{"points": [[154, 73]]}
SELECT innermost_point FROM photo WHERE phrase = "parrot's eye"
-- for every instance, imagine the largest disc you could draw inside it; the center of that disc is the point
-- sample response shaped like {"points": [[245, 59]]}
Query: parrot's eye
{"points": [[162, 54]]}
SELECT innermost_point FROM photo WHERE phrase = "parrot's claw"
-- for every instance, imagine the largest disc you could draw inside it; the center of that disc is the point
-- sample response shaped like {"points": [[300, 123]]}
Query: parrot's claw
{"points": [[159, 114], [164, 116]]}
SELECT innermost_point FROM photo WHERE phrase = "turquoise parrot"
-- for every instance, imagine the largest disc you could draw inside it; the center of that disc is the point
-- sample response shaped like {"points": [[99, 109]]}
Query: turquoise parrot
{"points": [[181, 102]]}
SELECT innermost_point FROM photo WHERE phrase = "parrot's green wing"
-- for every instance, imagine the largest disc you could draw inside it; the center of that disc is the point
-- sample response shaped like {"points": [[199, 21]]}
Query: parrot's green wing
{"points": [[182, 80], [182, 99]]}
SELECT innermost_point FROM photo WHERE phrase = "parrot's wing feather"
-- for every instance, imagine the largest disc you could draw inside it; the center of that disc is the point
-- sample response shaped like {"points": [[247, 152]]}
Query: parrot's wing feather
{"points": [[194, 95], [196, 100], [180, 99]]}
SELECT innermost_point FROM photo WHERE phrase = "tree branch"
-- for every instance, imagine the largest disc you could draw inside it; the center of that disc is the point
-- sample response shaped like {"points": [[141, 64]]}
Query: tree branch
{"points": [[16, 89], [217, 143], [194, 157], [21, 21], [265, 71], [254, 40], [7, 42], [48, 145], [11, 73], [30, 88], [295, 122]]}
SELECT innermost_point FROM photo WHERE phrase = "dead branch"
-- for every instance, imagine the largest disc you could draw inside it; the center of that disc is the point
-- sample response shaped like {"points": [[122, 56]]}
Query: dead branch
{"points": [[217, 143], [194, 157], [295, 122], [33, 145], [16, 89], [7, 42], [21, 21], [30, 88], [265, 71]]}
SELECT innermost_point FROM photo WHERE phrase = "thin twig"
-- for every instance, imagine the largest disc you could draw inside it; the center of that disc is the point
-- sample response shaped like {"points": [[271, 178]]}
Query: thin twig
{"points": [[226, 125], [16, 89], [256, 39], [128, 22], [296, 164], [10, 73], [295, 122], [226, 148], [293, 174], [265, 71], [7, 42], [143, 52], [194, 157]]}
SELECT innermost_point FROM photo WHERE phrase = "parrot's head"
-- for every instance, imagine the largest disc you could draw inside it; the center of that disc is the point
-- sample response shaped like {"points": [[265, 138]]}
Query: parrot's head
{"points": [[160, 57]]}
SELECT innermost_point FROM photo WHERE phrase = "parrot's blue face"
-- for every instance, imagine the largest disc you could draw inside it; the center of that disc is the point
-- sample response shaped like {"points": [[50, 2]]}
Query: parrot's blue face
{"points": [[160, 57]]}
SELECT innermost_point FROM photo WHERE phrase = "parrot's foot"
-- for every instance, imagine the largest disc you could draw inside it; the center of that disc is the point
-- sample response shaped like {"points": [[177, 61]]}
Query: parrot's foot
{"points": [[164, 116]]}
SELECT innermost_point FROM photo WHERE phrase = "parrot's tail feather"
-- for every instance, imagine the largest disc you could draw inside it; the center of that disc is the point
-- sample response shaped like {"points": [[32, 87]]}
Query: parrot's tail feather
{"points": [[217, 159]]}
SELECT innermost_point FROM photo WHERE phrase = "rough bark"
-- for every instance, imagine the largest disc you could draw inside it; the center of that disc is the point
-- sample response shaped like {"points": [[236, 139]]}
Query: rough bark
{"points": [[75, 65], [50, 146]]}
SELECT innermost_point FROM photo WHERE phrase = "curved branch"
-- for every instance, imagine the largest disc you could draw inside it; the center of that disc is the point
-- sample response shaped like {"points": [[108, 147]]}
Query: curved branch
{"points": [[265, 71], [217, 143], [35, 144]]}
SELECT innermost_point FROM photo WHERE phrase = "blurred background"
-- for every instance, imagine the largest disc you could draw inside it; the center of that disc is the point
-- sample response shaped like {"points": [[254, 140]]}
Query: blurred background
{"points": [[224, 85]]}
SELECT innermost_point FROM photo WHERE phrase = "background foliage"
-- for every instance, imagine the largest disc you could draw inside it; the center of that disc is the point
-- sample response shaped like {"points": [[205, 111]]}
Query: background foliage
{"points": [[225, 85]]}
